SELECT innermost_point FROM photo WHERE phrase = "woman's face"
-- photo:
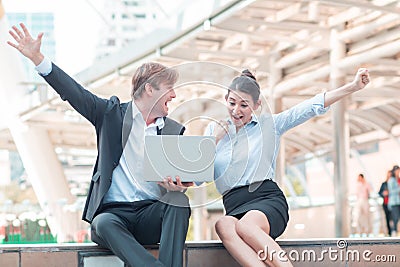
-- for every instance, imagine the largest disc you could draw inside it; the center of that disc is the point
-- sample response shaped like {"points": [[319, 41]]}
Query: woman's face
{"points": [[240, 107]]}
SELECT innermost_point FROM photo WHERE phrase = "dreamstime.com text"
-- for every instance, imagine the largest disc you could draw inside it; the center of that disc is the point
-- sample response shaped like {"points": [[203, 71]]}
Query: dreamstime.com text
{"points": [[338, 254]]}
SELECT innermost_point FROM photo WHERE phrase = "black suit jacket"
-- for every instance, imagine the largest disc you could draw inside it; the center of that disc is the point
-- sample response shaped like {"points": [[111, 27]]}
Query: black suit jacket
{"points": [[112, 121]]}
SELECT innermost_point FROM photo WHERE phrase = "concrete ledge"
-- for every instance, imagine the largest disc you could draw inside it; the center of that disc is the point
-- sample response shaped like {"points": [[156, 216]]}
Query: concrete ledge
{"points": [[304, 252]]}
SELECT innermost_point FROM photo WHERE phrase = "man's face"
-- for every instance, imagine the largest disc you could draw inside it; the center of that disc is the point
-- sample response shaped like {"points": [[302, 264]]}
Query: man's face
{"points": [[161, 97]]}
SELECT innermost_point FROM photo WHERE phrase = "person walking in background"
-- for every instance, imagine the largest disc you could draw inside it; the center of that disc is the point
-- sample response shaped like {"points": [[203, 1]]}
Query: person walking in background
{"points": [[362, 205], [384, 193], [394, 197], [244, 170], [125, 212]]}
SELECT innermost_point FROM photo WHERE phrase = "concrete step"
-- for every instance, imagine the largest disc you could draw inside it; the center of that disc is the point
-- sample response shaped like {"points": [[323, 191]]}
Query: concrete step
{"points": [[302, 252]]}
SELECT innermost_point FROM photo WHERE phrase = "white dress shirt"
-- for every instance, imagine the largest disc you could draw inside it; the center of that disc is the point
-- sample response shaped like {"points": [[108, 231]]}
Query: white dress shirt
{"points": [[127, 178]]}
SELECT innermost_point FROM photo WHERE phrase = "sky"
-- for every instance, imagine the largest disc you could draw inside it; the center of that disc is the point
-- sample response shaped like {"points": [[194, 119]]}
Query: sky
{"points": [[76, 29]]}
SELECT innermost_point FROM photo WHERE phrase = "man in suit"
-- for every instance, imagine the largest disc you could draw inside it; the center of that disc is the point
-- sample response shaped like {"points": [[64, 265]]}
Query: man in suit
{"points": [[125, 213]]}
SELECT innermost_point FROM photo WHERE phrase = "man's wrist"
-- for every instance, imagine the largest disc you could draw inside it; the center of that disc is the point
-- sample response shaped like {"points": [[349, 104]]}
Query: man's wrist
{"points": [[45, 67], [37, 59]]}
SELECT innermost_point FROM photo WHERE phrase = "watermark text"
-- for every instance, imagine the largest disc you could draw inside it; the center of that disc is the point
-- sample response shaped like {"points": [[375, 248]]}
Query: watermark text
{"points": [[339, 253]]}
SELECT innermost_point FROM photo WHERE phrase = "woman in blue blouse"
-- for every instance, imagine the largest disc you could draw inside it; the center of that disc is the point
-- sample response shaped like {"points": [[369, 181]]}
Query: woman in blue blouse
{"points": [[256, 208]]}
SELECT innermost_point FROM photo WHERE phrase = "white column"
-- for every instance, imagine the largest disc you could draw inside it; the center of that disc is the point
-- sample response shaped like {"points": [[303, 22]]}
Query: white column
{"points": [[5, 172], [274, 79], [47, 178], [12, 74], [199, 208], [200, 214], [341, 141], [33, 144]]}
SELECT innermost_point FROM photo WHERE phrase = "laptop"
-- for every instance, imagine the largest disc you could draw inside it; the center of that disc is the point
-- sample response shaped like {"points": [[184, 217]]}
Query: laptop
{"points": [[190, 157]]}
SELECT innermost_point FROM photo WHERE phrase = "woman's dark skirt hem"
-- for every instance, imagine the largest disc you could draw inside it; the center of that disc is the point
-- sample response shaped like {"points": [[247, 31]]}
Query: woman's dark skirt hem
{"points": [[266, 197]]}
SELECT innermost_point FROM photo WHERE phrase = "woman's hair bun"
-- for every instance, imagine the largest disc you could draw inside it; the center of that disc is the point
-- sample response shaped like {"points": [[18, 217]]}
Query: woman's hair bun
{"points": [[247, 73]]}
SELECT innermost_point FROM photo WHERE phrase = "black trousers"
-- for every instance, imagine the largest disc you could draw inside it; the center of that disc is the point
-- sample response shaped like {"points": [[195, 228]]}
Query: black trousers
{"points": [[395, 212], [125, 227], [388, 217]]}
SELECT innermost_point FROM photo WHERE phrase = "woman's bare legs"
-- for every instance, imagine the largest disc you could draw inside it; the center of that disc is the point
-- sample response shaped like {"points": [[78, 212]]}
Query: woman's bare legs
{"points": [[248, 238], [240, 251]]}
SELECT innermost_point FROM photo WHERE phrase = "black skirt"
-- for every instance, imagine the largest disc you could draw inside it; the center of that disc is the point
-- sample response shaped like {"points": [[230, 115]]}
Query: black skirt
{"points": [[266, 197]]}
